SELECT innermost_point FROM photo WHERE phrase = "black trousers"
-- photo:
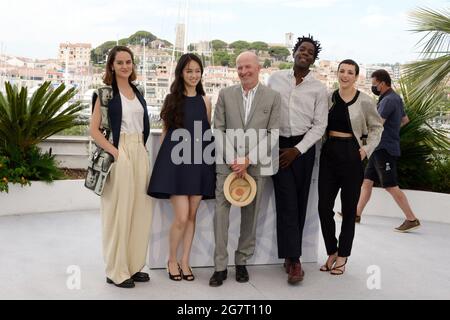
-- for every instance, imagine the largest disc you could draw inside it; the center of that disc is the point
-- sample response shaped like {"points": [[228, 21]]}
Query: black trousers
{"points": [[291, 187], [340, 168]]}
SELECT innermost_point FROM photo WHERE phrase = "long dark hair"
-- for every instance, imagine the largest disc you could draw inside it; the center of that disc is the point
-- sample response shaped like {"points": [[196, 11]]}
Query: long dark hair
{"points": [[109, 78], [172, 109]]}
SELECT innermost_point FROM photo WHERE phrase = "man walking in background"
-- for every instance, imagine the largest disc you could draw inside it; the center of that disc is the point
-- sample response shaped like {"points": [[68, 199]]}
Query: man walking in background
{"points": [[382, 165]]}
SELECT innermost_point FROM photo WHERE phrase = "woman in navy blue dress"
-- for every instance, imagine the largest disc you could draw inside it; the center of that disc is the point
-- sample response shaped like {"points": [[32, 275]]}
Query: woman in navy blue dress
{"points": [[184, 170]]}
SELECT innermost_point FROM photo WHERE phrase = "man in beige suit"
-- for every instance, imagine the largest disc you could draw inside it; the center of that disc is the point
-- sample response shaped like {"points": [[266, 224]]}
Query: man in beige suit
{"points": [[245, 122]]}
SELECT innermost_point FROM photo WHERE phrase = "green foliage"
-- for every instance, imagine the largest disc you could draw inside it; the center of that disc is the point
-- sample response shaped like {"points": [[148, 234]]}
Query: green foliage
{"points": [[425, 161], [440, 175], [220, 54], [279, 53], [26, 123], [221, 58], [218, 45], [432, 74], [8, 175], [123, 42], [98, 54], [79, 130], [286, 65], [240, 45], [137, 38], [23, 168], [267, 63], [259, 46], [422, 145]]}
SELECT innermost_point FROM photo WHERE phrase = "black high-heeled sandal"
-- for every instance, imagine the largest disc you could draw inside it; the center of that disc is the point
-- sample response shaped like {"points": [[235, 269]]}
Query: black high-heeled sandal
{"points": [[326, 267], [337, 268], [174, 277], [188, 277]]}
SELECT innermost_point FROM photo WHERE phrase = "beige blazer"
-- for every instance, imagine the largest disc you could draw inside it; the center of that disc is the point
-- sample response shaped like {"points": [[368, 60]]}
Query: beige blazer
{"points": [[365, 121], [230, 131]]}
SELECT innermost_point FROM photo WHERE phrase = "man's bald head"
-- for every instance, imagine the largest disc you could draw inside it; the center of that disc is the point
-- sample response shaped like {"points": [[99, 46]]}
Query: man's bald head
{"points": [[247, 56], [248, 67]]}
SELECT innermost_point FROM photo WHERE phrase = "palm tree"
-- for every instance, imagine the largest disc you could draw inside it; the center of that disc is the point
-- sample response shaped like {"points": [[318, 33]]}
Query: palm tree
{"points": [[24, 123], [432, 73], [422, 145]]}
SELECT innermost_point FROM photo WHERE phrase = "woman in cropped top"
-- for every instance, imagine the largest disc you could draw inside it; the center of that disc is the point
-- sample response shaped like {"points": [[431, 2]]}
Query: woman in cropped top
{"points": [[353, 132]]}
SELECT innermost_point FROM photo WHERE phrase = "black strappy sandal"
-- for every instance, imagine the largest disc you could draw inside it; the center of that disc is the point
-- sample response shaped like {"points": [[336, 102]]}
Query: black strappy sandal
{"points": [[326, 268], [188, 277], [337, 268], [174, 277]]}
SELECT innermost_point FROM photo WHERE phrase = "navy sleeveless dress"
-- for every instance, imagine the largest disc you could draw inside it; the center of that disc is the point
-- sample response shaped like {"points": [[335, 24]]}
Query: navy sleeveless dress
{"points": [[193, 176]]}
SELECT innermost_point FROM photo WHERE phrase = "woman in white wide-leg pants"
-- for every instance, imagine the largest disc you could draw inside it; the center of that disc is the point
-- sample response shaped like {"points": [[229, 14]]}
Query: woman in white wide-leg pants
{"points": [[126, 207]]}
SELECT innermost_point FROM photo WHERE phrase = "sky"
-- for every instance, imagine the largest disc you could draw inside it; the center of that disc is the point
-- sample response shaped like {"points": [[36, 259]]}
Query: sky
{"points": [[368, 31]]}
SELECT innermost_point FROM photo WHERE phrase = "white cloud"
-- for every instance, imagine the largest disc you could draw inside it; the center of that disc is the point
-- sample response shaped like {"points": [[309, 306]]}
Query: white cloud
{"points": [[377, 18], [221, 16], [372, 9], [375, 21]]}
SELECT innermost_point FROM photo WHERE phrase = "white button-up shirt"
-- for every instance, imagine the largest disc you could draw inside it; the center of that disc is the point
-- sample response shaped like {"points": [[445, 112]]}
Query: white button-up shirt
{"points": [[304, 107], [248, 100]]}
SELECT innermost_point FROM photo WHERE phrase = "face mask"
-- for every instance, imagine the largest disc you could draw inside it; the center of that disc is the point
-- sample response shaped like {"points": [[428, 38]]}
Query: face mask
{"points": [[375, 91]]}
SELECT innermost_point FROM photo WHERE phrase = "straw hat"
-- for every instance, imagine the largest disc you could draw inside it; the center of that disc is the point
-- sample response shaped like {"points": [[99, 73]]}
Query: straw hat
{"points": [[239, 192]]}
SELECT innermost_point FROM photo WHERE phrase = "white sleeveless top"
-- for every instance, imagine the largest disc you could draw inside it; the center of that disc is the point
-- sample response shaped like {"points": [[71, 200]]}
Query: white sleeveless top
{"points": [[132, 115]]}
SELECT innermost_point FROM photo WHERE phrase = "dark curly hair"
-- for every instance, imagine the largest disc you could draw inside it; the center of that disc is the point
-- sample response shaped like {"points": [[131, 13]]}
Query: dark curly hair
{"points": [[309, 39], [172, 109]]}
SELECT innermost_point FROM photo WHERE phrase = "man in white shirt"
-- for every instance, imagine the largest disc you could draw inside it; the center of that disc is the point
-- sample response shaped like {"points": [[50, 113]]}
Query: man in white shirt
{"points": [[303, 120]]}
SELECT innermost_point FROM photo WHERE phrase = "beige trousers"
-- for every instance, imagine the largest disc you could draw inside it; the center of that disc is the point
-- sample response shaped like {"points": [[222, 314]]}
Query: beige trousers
{"points": [[247, 234], [127, 210]]}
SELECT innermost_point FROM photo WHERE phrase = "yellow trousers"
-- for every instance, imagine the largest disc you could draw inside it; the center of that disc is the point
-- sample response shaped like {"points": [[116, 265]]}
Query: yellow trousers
{"points": [[127, 210]]}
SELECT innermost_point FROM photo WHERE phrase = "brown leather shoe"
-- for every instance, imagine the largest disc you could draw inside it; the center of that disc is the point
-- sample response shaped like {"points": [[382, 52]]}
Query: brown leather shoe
{"points": [[408, 225], [296, 273], [287, 265]]}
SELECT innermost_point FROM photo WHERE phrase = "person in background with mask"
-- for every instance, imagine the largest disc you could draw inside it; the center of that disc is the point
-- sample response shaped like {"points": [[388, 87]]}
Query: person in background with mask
{"points": [[382, 165]]}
